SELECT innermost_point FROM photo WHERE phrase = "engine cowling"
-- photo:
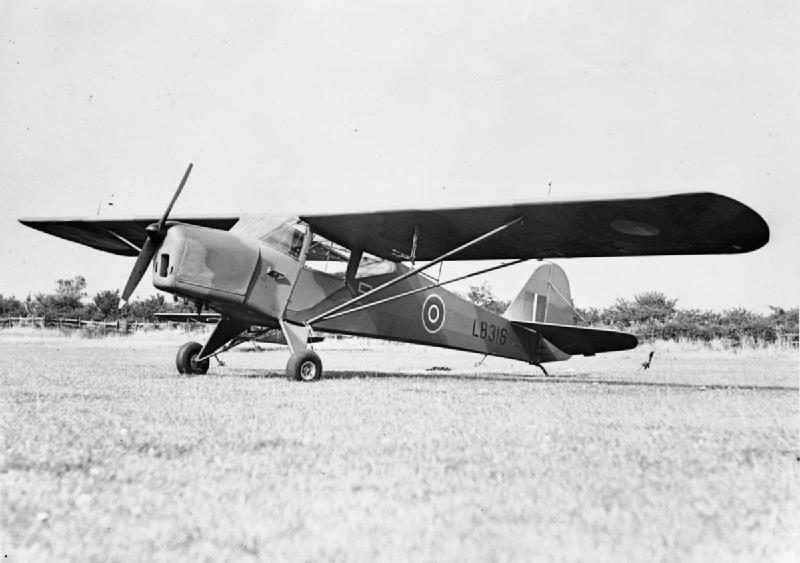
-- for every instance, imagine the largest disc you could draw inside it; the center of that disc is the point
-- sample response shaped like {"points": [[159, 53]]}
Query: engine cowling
{"points": [[207, 264]]}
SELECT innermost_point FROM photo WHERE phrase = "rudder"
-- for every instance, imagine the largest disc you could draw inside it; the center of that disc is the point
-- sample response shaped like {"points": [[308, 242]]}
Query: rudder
{"points": [[545, 298]]}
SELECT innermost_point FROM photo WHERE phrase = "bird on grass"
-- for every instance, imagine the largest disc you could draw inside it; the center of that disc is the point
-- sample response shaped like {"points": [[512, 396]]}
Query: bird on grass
{"points": [[646, 364]]}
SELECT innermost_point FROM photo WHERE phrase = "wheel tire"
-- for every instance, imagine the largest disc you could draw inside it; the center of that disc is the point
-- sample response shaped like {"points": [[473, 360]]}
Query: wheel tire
{"points": [[304, 366], [186, 362]]}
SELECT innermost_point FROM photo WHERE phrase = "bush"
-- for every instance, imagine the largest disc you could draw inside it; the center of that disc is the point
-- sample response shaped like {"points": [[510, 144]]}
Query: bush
{"points": [[67, 302], [483, 296], [11, 307], [652, 316]]}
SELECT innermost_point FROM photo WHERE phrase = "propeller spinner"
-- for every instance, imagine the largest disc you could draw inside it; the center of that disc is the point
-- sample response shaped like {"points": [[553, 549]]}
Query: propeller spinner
{"points": [[155, 235]]}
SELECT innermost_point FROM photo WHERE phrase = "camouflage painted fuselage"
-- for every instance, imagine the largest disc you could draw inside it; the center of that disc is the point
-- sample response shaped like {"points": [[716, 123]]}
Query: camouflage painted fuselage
{"points": [[255, 284], [435, 317]]}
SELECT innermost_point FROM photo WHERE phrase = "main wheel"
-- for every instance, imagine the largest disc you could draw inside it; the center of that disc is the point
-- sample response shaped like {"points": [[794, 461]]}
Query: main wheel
{"points": [[304, 366], [186, 359]]}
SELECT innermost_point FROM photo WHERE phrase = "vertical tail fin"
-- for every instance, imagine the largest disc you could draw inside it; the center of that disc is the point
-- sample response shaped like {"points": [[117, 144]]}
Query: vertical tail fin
{"points": [[545, 298]]}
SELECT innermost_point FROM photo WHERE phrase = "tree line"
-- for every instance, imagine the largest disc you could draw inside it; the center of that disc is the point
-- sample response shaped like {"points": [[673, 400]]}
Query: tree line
{"points": [[653, 316], [69, 300], [650, 315]]}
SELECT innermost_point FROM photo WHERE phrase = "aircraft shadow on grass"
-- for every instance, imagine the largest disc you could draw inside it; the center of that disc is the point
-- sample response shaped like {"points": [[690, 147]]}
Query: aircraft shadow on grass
{"points": [[572, 379]]}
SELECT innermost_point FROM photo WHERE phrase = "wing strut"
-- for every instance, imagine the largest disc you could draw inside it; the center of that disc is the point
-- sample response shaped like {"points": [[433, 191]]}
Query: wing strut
{"points": [[413, 271], [425, 288], [123, 240]]}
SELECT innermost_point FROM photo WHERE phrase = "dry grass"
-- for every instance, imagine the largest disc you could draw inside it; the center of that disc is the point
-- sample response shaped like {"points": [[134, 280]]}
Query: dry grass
{"points": [[109, 455]]}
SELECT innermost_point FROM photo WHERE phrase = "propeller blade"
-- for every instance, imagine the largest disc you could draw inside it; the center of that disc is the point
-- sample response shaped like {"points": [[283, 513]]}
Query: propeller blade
{"points": [[174, 198], [142, 263], [155, 235]]}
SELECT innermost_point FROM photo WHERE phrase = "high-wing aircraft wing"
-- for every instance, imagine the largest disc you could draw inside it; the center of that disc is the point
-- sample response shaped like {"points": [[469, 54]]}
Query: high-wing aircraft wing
{"points": [[117, 236], [695, 223]]}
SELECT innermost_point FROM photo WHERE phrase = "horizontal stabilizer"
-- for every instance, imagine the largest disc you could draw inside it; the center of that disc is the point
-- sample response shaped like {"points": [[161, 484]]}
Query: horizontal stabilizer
{"points": [[576, 340]]}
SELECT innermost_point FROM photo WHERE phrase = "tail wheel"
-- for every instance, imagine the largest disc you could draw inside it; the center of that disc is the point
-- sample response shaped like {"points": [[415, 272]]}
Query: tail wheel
{"points": [[186, 359], [304, 366]]}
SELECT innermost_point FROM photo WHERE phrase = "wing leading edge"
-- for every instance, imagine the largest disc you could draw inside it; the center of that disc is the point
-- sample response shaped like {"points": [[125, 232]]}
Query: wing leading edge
{"points": [[694, 223]]}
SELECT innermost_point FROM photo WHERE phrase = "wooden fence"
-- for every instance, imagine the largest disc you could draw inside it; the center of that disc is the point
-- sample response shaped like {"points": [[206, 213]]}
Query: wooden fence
{"points": [[121, 325]]}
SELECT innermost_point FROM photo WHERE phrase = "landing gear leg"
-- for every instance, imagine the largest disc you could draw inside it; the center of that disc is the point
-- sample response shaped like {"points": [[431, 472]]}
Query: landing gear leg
{"points": [[304, 365]]}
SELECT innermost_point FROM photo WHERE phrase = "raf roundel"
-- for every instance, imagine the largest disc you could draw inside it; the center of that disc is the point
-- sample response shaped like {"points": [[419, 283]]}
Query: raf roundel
{"points": [[433, 313]]}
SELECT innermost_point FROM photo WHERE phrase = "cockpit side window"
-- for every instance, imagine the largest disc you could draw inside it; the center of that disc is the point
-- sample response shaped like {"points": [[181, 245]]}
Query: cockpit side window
{"points": [[287, 240], [280, 233], [326, 256]]}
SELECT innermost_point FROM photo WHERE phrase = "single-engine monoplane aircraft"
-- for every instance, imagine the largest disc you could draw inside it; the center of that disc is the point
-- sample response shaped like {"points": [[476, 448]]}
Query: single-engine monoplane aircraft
{"points": [[363, 273]]}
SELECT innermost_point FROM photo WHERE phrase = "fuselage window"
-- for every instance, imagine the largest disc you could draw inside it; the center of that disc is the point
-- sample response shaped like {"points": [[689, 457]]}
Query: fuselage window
{"points": [[326, 256], [280, 233], [286, 239]]}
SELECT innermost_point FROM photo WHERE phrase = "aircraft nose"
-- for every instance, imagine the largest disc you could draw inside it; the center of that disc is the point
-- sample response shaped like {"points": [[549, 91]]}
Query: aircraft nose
{"points": [[203, 263], [168, 256]]}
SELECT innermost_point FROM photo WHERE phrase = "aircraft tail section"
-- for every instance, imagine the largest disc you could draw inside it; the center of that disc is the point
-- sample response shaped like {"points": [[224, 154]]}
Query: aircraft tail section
{"points": [[545, 298], [545, 306]]}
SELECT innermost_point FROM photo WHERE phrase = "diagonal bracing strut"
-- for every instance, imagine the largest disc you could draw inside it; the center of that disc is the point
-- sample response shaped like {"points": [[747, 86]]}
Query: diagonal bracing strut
{"points": [[425, 288], [123, 240], [412, 272]]}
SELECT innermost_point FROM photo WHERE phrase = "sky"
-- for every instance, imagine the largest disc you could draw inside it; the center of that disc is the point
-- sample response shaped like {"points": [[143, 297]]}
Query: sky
{"points": [[303, 107]]}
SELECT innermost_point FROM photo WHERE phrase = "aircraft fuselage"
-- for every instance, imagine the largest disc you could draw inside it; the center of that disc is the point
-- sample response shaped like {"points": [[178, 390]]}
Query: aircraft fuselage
{"points": [[259, 284]]}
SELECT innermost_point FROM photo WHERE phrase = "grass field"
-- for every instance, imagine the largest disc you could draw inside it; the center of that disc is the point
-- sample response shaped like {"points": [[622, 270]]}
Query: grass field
{"points": [[109, 455]]}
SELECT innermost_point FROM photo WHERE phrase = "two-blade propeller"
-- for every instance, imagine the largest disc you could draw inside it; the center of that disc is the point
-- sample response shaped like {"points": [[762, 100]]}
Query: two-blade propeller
{"points": [[155, 235]]}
